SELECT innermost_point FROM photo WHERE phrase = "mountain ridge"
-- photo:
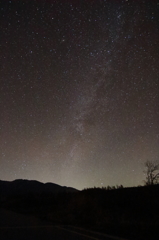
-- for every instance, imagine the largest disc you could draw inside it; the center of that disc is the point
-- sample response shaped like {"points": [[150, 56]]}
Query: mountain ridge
{"points": [[24, 186]]}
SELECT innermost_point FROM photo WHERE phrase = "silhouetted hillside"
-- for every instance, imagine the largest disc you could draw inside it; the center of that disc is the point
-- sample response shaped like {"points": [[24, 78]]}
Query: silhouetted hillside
{"points": [[128, 212], [21, 187]]}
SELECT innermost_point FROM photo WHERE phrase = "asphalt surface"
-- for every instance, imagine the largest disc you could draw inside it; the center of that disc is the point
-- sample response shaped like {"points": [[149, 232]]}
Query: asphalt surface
{"points": [[14, 226]]}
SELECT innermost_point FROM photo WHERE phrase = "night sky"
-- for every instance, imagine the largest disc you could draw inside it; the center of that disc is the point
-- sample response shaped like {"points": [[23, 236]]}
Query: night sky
{"points": [[79, 91]]}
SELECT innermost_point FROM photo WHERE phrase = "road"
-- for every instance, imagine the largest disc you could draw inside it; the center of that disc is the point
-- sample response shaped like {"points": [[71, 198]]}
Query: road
{"points": [[14, 226]]}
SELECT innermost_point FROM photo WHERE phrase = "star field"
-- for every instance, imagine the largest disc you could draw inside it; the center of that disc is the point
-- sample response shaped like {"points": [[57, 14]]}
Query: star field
{"points": [[79, 91]]}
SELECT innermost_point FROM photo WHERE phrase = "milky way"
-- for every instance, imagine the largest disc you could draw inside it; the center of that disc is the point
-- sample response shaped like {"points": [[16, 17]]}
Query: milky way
{"points": [[79, 91]]}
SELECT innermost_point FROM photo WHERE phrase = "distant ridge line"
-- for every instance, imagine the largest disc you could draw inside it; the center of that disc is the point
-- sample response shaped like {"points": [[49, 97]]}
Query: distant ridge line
{"points": [[24, 186]]}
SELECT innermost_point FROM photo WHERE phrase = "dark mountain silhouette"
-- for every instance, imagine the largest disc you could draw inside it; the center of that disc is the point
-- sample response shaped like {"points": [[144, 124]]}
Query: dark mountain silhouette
{"points": [[21, 186], [132, 213]]}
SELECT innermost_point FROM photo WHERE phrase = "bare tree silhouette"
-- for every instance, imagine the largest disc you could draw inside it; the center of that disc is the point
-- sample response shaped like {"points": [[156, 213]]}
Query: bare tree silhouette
{"points": [[152, 173]]}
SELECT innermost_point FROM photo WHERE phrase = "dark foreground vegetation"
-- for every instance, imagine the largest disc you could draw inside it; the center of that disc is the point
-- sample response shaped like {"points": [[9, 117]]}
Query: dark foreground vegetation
{"points": [[132, 213]]}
